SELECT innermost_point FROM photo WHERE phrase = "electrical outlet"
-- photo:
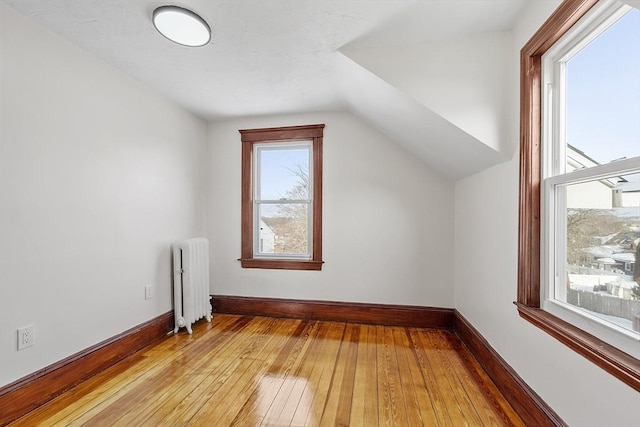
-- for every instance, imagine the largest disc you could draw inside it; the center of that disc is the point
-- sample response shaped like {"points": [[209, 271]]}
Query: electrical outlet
{"points": [[25, 337], [147, 292]]}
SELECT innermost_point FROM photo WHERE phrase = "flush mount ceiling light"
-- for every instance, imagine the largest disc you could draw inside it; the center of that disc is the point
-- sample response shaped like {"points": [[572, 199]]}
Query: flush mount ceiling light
{"points": [[181, 26]]}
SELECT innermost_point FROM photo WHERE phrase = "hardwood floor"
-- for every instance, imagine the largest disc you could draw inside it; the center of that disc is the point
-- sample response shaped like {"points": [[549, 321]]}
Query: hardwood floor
{"points": [[250, 371]]}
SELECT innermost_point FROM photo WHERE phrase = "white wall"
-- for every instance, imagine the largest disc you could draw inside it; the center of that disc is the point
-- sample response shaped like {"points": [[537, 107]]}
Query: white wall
{"points": [[486, 227], [388, 220], [97, 176]]}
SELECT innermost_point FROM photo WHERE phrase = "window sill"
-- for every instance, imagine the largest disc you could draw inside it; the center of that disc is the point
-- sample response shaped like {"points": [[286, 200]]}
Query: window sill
{"points": [[619, 364], [614, 335], [281, 264]]}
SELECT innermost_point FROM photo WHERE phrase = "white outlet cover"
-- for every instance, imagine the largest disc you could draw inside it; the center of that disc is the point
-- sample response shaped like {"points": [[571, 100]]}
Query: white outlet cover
{"points": [[25, 337], [147, 292]]}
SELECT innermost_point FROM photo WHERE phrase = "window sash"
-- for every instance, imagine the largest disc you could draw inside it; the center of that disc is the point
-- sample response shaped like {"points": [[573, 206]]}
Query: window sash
{"points": [[554, 255], [284, 146], [554, 63], [258, 253], [608, 170], [258, 149]]}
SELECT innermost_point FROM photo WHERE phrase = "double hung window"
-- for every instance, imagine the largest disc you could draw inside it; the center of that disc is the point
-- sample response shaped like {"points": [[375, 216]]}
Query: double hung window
{"points": [[580, 182], [282, 198], [591, 173]]}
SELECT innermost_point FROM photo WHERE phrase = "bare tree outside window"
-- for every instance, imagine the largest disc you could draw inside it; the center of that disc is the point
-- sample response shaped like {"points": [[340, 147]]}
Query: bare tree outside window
{"points": [[588, 228]]}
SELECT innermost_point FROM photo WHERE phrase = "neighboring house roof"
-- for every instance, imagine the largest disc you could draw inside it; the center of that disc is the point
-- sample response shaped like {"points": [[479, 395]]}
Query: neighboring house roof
{"points": [[275, 222], [263, 224], [628, 186], [578, 159], [624, 257]]}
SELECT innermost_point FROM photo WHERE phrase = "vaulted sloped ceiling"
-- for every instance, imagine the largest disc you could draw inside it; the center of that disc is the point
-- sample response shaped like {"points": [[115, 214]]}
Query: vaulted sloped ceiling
{"points": [[432, 75]]}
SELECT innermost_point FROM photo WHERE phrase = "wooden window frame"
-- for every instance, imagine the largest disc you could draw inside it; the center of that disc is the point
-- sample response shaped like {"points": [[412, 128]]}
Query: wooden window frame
{"points": [[618, 363], [250, 137]]}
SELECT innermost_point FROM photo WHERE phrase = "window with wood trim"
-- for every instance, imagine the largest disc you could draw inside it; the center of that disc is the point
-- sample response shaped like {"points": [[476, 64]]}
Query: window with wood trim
{"points": [[282, 198], [569, 200]]}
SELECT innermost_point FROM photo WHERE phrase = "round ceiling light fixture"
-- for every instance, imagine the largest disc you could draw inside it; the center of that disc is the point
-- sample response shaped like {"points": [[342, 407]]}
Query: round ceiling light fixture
{"points": [[181, 26]]}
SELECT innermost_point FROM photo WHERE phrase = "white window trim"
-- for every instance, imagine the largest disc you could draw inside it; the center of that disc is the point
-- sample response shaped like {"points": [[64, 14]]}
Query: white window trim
{"points": [[257, 201], [555, 179]]}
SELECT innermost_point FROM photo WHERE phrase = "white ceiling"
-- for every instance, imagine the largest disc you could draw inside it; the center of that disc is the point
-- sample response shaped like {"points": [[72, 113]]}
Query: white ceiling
{"points": [[282, 56]]}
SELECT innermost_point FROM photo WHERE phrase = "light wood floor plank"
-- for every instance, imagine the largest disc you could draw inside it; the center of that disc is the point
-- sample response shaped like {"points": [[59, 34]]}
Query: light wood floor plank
{"points": [[437, 397], [481, 390], [310, 371], [479, 397], [364, 406], [391, 406], [249, 374], [291, 386], [268, 400], [253, 371], [458, 407], [417, 400], [219, 364], [211, 363], [337, 409], [236, 375], [320, 379]]}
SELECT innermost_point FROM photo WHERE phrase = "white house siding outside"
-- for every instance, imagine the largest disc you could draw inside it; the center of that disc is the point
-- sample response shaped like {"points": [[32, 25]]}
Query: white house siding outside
{"points": [[630, 199], [267, 238]]}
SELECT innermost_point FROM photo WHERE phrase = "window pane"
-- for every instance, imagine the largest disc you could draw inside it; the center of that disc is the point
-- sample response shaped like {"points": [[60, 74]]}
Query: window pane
{"points": [[603, 235], [284, 228], [284, 173], [603, 96]]}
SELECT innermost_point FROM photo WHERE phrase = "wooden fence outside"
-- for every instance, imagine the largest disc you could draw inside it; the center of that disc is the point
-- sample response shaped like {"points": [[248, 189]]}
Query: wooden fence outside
{"points": [[604, 304]]}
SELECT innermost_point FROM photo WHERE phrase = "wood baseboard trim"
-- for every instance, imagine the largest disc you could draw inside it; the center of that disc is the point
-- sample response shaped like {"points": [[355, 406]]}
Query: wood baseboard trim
{"points": [[27, 393], [377, 314], [527, 403]]}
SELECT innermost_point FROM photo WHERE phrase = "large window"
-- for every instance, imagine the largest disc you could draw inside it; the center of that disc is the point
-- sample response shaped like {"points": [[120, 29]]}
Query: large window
{"points": [[282, 198], [580, 182]]}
